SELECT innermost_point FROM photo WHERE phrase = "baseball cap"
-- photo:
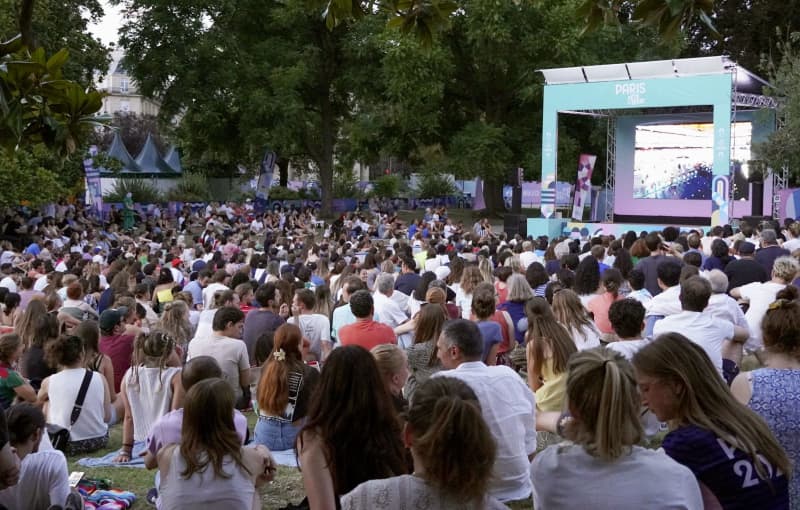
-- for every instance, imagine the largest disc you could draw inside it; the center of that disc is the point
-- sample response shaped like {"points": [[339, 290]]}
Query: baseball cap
{"points": [[111, 317], [176, 262]]}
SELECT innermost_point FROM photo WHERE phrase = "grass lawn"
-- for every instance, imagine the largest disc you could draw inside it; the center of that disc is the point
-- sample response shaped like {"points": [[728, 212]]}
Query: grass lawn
{"points": [[286, 488]]}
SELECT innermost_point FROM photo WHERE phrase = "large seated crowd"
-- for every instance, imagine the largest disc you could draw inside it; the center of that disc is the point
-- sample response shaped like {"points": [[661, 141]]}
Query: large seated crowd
{"points": [[424, 365]]}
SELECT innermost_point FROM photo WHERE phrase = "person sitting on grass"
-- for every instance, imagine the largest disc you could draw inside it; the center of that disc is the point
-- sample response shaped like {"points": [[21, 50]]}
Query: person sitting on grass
{"points": [[453, 451], [59, 393], [43, 476], [150, 389], [210, 469], [167, 430], [601, 467], [12, 385]]}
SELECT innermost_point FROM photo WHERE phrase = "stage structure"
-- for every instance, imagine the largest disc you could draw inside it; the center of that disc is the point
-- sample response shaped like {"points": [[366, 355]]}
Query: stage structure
{"points": [[674, 127]]}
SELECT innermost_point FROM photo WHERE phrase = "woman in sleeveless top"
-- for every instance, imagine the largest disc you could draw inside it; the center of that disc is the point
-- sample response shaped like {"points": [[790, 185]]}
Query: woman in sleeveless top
{"points": [[150, 388], [774, 392], [210, 469], [284, 390], [96, 361], [60, 391]]}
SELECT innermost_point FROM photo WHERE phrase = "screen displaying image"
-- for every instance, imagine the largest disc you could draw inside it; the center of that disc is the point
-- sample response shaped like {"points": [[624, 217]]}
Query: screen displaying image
{"points": [[674, 161]]}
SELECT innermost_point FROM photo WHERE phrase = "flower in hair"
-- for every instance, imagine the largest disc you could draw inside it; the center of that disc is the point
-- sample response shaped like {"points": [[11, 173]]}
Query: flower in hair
{"points": [[279, 355]]}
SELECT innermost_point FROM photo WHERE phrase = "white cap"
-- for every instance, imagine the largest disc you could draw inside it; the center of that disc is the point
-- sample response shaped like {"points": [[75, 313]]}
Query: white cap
{"points": [[442, 272]]}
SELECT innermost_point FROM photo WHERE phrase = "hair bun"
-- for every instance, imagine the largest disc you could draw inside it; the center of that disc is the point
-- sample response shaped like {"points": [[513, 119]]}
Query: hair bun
{"points": [[789, 292]]}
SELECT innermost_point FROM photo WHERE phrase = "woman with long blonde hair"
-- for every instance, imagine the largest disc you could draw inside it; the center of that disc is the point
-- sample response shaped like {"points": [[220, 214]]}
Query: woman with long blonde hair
{"points": [[728, 447], [469, 280], [571, 313], [284, 391], [175, 322], [604, 431], [548, 349]]}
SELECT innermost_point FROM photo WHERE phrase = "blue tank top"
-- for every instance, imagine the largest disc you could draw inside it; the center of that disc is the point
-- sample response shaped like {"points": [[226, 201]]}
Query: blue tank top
{"points": [[776, 398], [727, 471]]}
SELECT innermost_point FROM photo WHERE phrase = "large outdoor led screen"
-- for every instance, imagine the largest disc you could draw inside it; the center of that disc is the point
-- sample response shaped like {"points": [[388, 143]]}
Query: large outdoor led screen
{"points": [[674, 161]]}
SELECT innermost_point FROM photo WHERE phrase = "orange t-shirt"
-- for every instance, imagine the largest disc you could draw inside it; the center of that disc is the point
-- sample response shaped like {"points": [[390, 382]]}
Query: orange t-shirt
{"points": [[367, 334]]}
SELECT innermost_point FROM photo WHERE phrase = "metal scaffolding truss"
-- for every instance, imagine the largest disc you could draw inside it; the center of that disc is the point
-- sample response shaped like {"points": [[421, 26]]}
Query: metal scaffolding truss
{"points": [[611, 158], [755, 101]]}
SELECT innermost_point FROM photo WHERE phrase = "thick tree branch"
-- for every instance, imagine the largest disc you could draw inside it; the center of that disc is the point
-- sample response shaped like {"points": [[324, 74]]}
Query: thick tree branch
{"points": [[26, 24]]}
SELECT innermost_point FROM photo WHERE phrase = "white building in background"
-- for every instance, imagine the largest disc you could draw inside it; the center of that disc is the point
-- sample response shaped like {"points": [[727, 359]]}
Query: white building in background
{"points": [[123, 94]]}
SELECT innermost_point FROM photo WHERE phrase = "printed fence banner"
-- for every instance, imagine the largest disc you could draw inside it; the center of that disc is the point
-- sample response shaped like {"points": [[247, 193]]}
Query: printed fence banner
{"points": [[94, 194], [583, 187], [264, 181]]}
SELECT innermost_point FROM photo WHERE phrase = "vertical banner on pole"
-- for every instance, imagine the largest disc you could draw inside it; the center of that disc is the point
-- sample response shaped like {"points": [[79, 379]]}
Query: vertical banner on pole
{"points": [[583, 186], [264, 181], [94, 195]]}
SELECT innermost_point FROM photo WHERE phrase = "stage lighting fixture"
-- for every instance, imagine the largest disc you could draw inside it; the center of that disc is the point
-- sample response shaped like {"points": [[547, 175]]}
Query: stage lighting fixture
{"points": [[563, 75], [610, 72]]}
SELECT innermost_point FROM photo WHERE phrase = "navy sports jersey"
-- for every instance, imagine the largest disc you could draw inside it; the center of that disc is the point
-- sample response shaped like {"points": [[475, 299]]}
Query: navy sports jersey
{"points": [[727, 471]]}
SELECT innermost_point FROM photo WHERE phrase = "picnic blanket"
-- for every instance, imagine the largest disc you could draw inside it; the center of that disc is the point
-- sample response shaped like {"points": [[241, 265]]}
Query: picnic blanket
{"points": [[107, 460]]}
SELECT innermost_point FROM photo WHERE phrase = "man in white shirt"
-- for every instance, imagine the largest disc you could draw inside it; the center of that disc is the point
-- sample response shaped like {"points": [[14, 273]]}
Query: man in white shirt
{"points": [[316, 327], [225, 346], [217, 285], [667, 302], [507, 404], [7, 281], [710, 333], [527, 256], [388, 310], [721, 305], [761, 295]]}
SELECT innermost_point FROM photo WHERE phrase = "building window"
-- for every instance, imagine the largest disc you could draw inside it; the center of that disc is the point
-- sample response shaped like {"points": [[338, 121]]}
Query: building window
{"points": [[123, 85]]}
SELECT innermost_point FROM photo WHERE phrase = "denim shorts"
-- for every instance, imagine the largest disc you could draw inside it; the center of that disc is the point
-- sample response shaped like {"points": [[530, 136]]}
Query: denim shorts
{"points": [[275, 434]]}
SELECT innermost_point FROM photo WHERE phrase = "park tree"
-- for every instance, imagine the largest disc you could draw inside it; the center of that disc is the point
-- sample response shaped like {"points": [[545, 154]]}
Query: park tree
{"points": [[46, 108], [249, 75], [469, 102]]}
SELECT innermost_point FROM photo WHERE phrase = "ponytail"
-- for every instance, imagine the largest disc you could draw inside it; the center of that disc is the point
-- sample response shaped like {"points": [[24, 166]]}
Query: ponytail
{"points": [[451, 439], [602, 389]]}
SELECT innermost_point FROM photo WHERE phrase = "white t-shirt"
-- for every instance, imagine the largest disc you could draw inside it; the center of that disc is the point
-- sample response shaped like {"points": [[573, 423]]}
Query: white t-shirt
{"points": [[760, 296], [316, 327], [230, 353], [586, 338], [40, 283], [724, 307], [509, 408], [8, 283], [666, 303], [208, 294], [389, 311], [526, 258], [43, 481], [406, 492], [464, 301], [566, 476], [628, 347], [701, 328]]}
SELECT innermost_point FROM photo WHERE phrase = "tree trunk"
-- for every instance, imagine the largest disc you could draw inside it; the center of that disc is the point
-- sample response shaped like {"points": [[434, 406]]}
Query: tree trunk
{"points": [[283, 172], [493, 196], [327, 136], [26, 24]]}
